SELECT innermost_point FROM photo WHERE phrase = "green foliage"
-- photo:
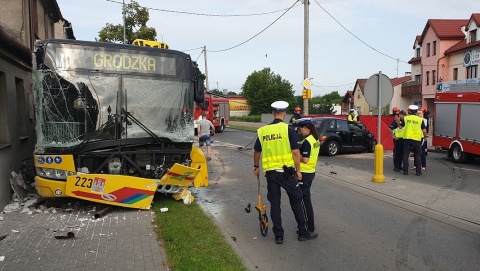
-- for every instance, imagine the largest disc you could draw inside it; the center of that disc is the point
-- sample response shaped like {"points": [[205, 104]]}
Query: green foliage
{"points": [[264, 87], [251, 118], [216, 92], [136, 18], [191, 239], [324, 104]]}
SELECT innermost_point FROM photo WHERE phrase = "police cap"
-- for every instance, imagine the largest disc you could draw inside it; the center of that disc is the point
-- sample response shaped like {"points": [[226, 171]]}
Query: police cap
{"points": [[413, 108], [279, 106], [303, 121]]}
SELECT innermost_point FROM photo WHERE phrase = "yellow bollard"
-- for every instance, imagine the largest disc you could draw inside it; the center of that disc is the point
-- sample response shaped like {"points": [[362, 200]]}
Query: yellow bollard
{"points": [[378, 176]]}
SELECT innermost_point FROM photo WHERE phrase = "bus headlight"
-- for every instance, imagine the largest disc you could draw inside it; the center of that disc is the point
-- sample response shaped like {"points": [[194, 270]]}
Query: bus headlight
{"points": [[53, 173]]}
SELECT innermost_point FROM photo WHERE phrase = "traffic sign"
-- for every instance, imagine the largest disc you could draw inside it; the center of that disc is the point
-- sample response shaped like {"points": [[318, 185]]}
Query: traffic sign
{"points": [[306, 83], [372, 92]]}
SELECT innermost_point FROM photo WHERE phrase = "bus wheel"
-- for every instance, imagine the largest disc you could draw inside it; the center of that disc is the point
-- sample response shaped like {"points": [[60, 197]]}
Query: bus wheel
{"points": [[458, 156]]}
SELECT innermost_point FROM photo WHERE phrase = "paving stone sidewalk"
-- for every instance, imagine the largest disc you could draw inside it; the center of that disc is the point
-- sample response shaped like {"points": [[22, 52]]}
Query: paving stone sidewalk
{"points": [[121, 240]]}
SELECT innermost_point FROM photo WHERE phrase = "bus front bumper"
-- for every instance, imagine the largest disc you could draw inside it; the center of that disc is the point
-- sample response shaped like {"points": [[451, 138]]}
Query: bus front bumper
{"points": [[50, 188]]}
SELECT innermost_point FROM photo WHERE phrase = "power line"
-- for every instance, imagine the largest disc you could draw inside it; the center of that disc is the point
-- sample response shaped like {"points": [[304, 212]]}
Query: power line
{"points": [[206, 14], [333, 86], [216, 51], [369, 46]]}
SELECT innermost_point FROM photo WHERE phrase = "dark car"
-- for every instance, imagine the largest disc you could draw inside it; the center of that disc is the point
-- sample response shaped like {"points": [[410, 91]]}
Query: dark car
{"points": [[339, 135]]}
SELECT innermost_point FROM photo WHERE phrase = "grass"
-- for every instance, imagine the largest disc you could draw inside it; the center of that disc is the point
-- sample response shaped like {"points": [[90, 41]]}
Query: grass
{"points": [[239, 127], [191, 240]]}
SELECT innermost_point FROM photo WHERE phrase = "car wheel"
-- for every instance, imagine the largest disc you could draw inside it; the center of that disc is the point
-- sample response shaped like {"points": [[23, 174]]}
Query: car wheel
{"points": [[332, 148], [372, 146]]}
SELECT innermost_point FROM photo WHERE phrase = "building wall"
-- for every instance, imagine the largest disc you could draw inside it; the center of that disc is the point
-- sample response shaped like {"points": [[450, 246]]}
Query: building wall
{"points": [[360, 104], [429, 62], [17, 139]]}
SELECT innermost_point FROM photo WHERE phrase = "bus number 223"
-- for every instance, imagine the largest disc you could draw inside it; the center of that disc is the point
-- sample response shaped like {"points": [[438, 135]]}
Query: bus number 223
{"points": [[84, 182]]}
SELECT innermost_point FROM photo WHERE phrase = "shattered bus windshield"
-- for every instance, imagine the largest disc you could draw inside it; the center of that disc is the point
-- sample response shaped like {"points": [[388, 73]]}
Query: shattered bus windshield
{"points": [[85, 93]]}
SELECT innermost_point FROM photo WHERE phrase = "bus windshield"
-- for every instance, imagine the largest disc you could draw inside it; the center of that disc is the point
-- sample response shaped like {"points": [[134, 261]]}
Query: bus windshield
{"points": [[85, 92]]}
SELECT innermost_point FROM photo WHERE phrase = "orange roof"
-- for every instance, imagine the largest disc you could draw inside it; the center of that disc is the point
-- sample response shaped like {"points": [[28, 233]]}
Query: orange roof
{"points": [[445, 29], [462, 45], [415, 60], [476, 18], [400, 80]]}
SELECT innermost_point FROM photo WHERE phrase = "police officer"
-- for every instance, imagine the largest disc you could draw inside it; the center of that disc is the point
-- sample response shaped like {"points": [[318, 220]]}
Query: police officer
{"points": [[296, 116], [353, 116], [308, 162], [278, 146], [398, 140], [413, 131]]}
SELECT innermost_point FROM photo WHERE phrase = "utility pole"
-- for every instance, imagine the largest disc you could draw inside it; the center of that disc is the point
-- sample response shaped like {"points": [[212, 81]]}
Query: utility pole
{"points": [[124, 36], [206, 69], [305, 51]]}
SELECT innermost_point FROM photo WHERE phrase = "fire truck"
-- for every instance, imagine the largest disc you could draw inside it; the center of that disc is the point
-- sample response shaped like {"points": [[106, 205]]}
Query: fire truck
{"points": [[455, 122], [217, 108]]}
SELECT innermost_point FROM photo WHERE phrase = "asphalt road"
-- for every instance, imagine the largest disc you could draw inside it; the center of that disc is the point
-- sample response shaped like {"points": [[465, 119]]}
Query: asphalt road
{"points": [[356, 232]]}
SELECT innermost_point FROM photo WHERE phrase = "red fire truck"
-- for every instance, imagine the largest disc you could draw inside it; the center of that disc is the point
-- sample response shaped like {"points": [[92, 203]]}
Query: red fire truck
{"points": [[217, 108], [456, 124]]}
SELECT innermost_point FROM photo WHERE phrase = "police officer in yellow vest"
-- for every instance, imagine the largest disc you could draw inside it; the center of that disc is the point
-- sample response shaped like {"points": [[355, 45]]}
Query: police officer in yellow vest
{"points": [[353, 116], [397, 133], [308, 162], [413, 132], [277, 145]]}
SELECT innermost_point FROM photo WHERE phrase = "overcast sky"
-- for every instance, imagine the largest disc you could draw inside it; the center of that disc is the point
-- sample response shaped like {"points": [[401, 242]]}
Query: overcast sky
{"points": [[336, 57]]}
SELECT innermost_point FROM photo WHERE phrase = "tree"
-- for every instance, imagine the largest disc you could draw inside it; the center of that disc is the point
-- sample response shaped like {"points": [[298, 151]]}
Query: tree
{"points": [[264, 87], [324, 104], [136, 18]]}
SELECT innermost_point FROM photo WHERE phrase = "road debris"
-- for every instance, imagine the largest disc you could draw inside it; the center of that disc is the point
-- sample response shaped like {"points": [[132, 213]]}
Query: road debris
{"points": [[70, 235]]}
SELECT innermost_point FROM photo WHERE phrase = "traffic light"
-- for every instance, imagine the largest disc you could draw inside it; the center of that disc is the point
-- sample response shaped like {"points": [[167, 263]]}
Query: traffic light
{"points": [[304, 94]]}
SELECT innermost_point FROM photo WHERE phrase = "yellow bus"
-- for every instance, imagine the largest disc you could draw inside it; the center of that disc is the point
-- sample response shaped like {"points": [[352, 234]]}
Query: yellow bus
{"points": [[151, 43]]}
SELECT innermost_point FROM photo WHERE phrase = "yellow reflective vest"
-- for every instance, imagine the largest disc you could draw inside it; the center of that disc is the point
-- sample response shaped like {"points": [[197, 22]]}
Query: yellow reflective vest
{"points": [[276, 151], [413, 128], [352, 118], [312, 160]]}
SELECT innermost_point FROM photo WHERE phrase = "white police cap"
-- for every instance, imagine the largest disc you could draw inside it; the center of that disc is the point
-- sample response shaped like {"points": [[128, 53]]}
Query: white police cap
{"points": [[413, 107], [303, 121], [279, 106]]}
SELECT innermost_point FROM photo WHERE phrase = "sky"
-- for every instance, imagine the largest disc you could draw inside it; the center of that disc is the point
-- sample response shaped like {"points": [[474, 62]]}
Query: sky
{"points": [[348, 39]]}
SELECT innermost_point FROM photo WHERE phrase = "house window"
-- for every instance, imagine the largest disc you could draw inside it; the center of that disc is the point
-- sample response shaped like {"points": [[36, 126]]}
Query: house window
{"points": [[418, 78], [473, 36], [428, 49], [434, 47], [4, 135], [427, 78], [472, 72], [417, 53], [434, 77], [358, 96], [455, 73], [21, 109]]}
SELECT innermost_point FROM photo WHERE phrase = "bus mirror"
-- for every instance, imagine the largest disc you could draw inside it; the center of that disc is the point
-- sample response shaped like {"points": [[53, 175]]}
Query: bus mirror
{"points": [[198, 87]]}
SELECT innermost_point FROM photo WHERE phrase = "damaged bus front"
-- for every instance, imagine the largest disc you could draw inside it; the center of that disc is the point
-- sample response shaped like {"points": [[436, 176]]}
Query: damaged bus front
{"points": [[114, 123]]}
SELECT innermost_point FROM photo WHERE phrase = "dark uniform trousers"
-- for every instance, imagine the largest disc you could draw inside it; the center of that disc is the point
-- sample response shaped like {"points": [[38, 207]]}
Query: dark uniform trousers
{"points": [[307, 179], [409, 144], [398, 153], [275, 181]]}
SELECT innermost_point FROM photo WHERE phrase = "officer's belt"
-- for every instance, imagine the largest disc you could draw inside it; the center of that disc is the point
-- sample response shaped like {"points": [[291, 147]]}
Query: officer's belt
{"points": [[277, 170]]}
